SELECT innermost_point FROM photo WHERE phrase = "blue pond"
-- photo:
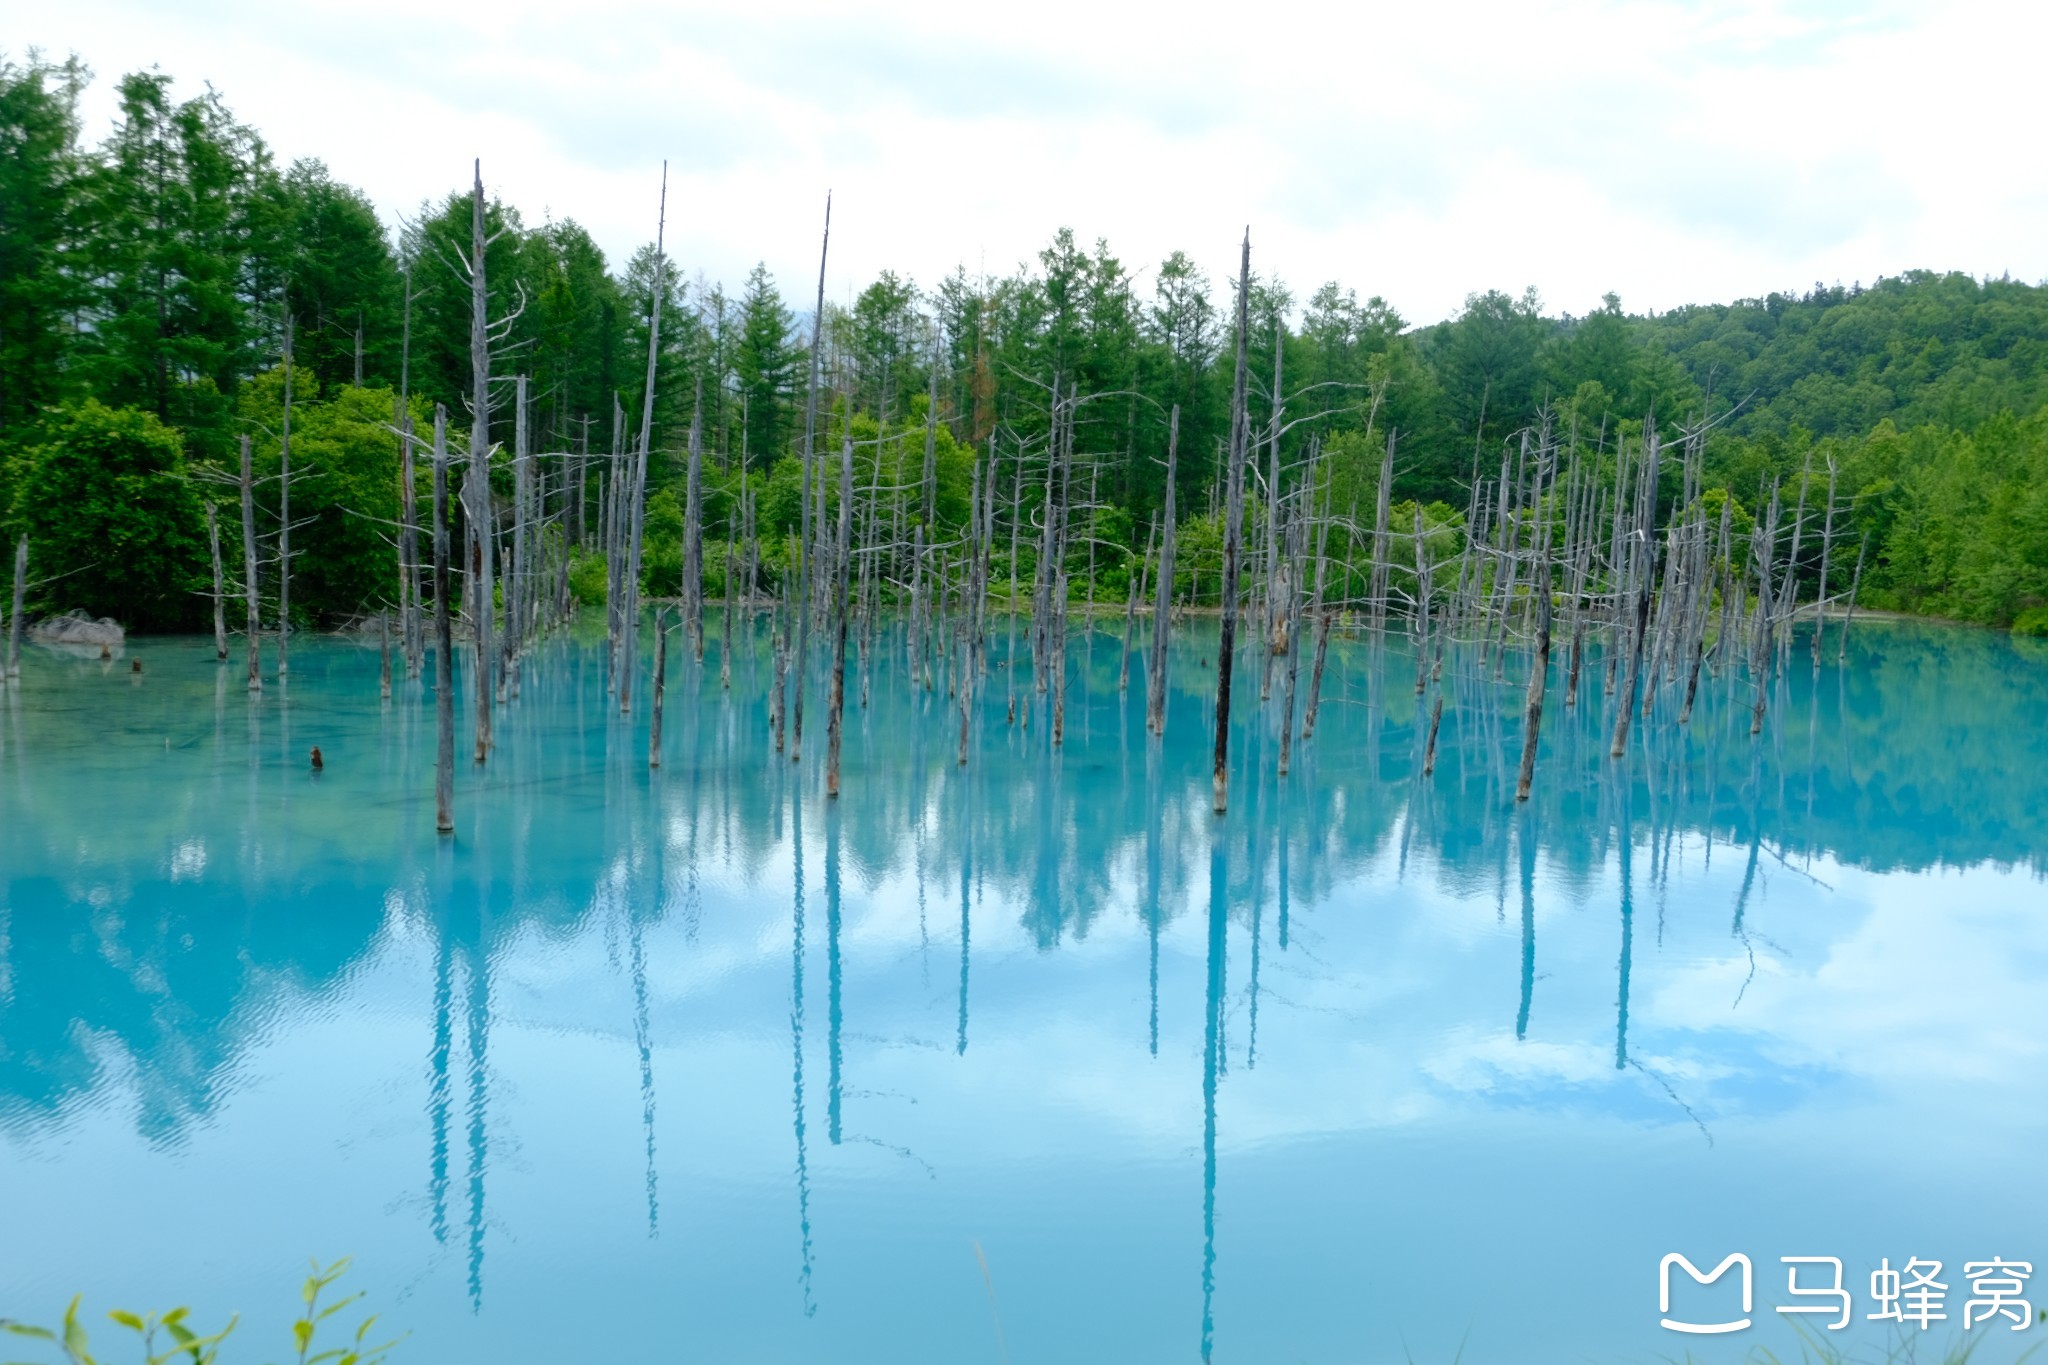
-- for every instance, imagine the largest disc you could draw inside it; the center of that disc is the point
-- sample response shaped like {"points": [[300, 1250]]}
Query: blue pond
{"points": [[1033, 1059]]}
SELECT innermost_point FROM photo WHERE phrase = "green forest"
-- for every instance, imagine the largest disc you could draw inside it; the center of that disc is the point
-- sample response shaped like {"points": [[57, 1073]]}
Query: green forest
{"points": [[153, 285]]}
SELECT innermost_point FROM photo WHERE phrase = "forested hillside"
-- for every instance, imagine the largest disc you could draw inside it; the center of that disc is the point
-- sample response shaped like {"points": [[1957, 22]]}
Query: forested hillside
{"points": [[152, 285]]}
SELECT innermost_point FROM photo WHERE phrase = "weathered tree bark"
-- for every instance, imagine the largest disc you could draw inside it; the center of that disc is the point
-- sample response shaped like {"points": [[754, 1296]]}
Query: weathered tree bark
{"points": [[636, 512], [1137, 590], [693, 531], [1016, 520], [479, 510], [408, 545], [778, 699], [1324, 619], [14, 621], [254, 633], [517, 589], [1539, 680], [284, 513], [1291, 623], [1162, 608], [444, 638], [919, 675], [1056, 656], [805, 568], [1827, 545], [1626, 712], [1233, 531], [1383, 509], [970, 634], [1699, 650], [660, 689], [220, 606], [1275, 606], [384, 655], [1422, 587], [732, 592], [1842, 657], [835, 720]]}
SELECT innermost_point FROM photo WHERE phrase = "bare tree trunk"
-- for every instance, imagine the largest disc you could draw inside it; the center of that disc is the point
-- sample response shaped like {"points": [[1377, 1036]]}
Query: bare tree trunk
{"points": [[1162, 609], [803, 615], [517, 591], [479, 511], [1016, 518], [254, 628], [835, 720], [970, 636], [660, 688], [1056, 656], [14, 622], [1315, 677], [1137, 590], [732, 581], [629, 625], [1827, 545], [1422, 587], [384, 655], [1841, 658], [1275, 524], [444, 638], [284, 512], [220, 616], [1539, 679], [408, 546], [693, 532], [1233, 531]]}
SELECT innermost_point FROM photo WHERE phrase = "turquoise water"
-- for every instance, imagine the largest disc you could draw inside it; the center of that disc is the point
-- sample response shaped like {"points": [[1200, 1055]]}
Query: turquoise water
{"points": [[1031, 1060]]}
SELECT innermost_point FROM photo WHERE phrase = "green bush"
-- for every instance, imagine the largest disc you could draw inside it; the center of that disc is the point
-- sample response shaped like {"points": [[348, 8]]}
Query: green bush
{"points": [[588, 579], [2031, 623]]}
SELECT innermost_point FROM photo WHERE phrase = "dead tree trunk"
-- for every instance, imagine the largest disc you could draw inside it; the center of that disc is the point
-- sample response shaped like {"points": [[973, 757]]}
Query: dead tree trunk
{"points": [[835, 720], [14, 623], [220, 606], [693, 532], [1162, 610], [1855, 582], [444, 638], [1137, 590], [805, 569], [636, 512], [1539, 679], [254, 627], [1827, 545], [284, 512], [408, 545], [660, 689], [1233, 531], [479, 512]]}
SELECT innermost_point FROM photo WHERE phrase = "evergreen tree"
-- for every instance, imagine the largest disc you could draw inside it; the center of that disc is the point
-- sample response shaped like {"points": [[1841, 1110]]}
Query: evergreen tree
{"points": [[765, 364]]}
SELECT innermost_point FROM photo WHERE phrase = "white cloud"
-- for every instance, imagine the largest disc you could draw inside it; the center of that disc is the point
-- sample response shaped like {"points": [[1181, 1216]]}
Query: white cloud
{"points": [[1673, 152]]}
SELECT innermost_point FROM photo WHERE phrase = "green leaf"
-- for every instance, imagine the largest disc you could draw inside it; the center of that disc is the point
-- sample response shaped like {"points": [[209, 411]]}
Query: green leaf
{"points": [[302, 1330], [74, 1335], [22, 1329], [331, 1309], [128, 1320]]}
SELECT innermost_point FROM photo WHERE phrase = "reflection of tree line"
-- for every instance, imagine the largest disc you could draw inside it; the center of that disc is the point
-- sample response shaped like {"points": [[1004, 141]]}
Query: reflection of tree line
{"points": [[1920, 752]]}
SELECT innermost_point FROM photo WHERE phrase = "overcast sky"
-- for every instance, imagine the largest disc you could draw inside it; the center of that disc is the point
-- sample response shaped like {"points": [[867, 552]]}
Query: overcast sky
{"points": [[1670, 152]]}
